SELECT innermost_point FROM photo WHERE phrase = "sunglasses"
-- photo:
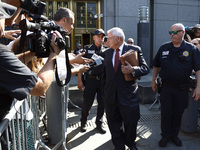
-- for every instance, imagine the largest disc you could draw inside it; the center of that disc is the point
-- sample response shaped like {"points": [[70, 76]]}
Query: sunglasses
{"points": [[174, 32]]}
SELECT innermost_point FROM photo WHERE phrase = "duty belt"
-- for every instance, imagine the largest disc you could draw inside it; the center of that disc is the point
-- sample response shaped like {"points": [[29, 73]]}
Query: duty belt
{"points": [[179, 86], [93, 77]]}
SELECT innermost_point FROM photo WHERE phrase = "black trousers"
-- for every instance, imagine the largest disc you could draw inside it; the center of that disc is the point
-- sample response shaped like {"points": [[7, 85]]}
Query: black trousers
{"points": [[173, 102], [92, 87], [122, 122]]}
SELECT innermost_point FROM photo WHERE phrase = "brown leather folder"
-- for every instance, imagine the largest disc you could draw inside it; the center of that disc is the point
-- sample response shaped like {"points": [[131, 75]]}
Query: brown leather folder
{"points": [[132, 58]]}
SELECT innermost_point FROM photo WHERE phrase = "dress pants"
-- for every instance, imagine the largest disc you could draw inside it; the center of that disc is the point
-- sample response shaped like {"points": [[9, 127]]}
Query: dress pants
{"points": [[122, 122], [92, 87], [173, 102]]}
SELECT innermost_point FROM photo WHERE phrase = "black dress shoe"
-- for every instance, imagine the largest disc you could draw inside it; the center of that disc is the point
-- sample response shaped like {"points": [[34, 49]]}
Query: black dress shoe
{"points": [[163, 142], [83, 129], [176, 141], [101, 130]]}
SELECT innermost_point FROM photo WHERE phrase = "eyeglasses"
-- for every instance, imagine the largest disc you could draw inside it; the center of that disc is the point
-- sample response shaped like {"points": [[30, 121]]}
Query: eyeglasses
{"points": [[174, 32]]}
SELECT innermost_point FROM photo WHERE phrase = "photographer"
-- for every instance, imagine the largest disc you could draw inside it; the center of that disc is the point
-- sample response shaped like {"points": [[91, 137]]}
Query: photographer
{"points": [[92, 83], [196, 42], [16, 79], [65, 18], [192, 32]]}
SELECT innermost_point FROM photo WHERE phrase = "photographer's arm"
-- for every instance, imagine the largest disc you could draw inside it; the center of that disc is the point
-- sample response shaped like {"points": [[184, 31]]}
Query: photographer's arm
{"points": [[80, 82], [10, 21], [78, 59], [189, 39], [80, 69], [46, 74], [26, 56], [45, 77]]}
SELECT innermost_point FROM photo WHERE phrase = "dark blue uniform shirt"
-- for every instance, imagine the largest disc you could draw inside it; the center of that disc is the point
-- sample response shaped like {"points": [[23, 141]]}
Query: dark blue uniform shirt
{"points": [[90, 50], [176, 64]]}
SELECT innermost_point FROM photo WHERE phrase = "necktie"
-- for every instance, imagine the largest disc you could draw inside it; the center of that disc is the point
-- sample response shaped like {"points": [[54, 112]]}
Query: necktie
{"points": [[116, 59]]}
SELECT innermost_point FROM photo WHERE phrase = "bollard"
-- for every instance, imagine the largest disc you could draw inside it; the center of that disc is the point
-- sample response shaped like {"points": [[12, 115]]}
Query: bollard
{"points": [[54, 113], [190, 116]]}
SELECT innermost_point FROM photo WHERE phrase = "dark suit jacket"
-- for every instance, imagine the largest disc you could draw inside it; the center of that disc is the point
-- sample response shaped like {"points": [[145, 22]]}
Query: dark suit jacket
{"points": [[114, 84]]}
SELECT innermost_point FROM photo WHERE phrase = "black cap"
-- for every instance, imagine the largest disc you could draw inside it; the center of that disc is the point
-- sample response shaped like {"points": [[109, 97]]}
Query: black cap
{"points": [[99, 31], [6, 10]]}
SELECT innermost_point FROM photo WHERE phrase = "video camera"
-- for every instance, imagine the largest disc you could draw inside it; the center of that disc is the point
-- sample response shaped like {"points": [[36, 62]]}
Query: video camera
{"points": [[33, 6], [39, 41], [190, 31]]}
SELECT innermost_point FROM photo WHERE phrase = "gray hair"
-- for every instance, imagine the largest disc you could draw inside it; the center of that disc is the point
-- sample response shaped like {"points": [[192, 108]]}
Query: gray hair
{"points": [[116, 31], [63, 12]]}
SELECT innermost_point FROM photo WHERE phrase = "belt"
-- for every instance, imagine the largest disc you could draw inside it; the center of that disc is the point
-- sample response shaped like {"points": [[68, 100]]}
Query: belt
{"points": [[179, 86], [93, 77]]}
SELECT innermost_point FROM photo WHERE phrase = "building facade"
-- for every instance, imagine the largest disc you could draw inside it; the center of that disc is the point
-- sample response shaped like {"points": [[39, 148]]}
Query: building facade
{"points": [[105, 14]]}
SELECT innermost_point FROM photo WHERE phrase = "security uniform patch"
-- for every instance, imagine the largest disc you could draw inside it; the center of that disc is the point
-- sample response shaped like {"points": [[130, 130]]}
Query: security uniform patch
{"points": [[186, 53]]}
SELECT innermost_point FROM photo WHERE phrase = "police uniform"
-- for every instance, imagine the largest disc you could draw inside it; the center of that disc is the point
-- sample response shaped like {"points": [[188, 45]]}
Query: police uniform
{"points": [[92, 86], [176, 66]]}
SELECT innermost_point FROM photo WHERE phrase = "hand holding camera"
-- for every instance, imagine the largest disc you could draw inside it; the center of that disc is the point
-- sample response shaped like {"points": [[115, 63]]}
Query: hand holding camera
{"points": [[55, 48]]}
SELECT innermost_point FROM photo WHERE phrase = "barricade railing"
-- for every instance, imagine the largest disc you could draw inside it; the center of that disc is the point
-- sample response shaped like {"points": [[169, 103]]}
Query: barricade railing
{"points": [[13, 128]]}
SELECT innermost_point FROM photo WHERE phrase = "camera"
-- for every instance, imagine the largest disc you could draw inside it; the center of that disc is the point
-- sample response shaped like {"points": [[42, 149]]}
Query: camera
{"points": [[33, 6], [40, 40], [190, 31]]}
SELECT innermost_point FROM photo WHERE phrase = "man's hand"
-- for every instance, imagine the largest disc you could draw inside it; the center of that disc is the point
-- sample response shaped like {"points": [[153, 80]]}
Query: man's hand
{"points": [[54, 45], [154, 85], [126, 69], [196, 93], [78, 59], [80, 69], [9, 34], [80, 86], [83, 68]]}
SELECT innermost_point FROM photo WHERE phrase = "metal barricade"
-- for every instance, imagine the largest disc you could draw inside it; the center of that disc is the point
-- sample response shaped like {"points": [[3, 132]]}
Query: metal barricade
{"points": [[8, 132], [13, 128]]}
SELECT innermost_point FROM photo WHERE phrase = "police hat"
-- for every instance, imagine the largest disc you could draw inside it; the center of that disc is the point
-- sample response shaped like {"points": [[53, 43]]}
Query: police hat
{"points": [[6, 10], [99, 31]]}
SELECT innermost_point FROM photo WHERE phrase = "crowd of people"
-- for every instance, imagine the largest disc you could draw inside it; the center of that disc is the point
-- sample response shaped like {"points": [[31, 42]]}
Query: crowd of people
{"points": [[23, 74]]}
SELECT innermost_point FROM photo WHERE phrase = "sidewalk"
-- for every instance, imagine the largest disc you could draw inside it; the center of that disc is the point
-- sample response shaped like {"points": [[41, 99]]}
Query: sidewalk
{"points": [[148, 131]]}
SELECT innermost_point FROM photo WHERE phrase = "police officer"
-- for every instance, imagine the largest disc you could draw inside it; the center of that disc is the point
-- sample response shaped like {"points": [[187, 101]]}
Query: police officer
{"points": [[174, 63], [92, 83]]}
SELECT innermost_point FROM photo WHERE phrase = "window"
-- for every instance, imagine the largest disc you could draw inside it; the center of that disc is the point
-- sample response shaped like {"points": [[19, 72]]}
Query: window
{"points": [[85, 12]]}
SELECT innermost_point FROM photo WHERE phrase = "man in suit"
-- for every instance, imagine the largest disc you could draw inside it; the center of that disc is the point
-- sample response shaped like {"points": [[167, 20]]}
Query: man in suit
{"points": [[120, 96]]}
